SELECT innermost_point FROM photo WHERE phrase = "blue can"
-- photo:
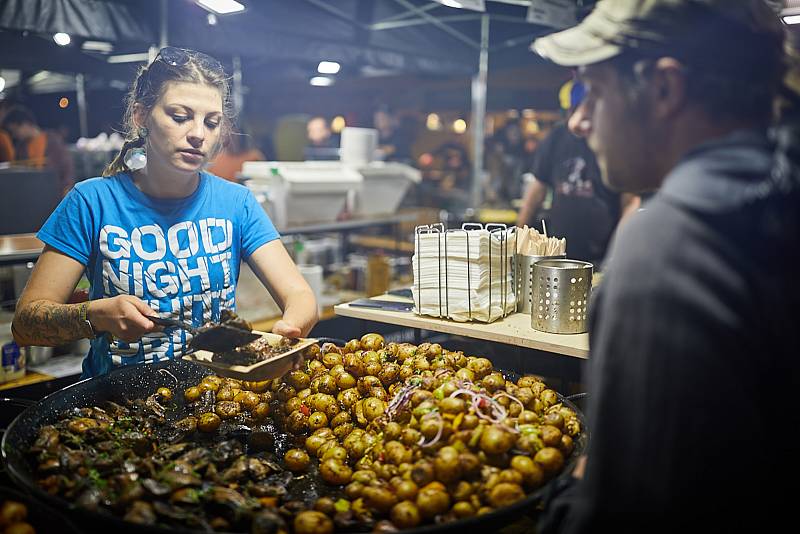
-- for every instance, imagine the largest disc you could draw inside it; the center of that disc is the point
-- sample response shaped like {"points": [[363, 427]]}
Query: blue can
{"points": [[13, 359]]}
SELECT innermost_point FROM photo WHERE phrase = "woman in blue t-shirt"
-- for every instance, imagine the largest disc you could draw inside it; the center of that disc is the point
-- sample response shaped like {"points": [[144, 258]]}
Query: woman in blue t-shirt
{"points": [[156, 234]]}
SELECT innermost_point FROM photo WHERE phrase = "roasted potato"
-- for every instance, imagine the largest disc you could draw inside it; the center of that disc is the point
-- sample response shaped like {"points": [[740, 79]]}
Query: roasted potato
{"points": [[312, 522], [296, 460], [208, 422]]}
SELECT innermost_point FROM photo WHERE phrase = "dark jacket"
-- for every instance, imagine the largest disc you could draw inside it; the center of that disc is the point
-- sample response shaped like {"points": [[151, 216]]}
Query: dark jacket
{"points": [[695, 355]]}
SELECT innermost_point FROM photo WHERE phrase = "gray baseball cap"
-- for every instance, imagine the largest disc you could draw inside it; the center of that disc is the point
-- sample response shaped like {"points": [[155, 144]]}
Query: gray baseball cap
{"points": [[716, 33]]}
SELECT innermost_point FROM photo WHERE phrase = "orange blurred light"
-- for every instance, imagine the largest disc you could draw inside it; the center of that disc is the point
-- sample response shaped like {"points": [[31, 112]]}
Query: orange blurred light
{"points": [[63, 103], [337, 124], [425, 160]]}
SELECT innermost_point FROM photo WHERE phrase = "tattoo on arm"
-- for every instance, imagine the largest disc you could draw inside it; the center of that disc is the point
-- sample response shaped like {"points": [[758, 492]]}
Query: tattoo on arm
{"points": [[47, 323]]}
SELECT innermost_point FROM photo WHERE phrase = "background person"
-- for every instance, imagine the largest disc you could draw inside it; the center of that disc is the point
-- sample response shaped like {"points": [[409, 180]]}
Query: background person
{"points": [[395, 135], [505, 161], [584, 210], [238, 149], [687, 367], [6, 143], [321, 142], [445, 177], [6, 147], [34, 147], [158, 237]]}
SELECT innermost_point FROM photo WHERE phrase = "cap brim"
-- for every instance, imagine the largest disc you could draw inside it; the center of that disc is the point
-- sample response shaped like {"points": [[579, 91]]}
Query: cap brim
{"points": [[575, 47]]}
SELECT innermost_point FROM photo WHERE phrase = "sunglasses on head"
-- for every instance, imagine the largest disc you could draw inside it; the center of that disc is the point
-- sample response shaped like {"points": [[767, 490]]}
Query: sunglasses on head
{"points": [[178, 57]]}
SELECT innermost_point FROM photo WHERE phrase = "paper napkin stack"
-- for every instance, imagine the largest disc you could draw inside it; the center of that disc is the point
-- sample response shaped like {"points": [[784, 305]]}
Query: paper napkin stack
{"points": [[454, 277]]}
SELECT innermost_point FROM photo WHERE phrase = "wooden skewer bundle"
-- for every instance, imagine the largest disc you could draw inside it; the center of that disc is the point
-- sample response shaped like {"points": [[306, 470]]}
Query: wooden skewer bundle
{"points": [[531, 243]]}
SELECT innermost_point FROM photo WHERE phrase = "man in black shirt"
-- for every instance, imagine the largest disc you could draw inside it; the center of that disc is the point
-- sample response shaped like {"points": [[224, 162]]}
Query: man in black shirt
{"points": [[695, 353]]}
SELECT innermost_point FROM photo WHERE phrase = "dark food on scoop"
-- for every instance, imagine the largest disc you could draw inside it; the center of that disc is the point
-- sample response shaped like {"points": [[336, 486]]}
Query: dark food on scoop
{"points": [[254, 352], [369, 436], [230, 331], [229, 318]]}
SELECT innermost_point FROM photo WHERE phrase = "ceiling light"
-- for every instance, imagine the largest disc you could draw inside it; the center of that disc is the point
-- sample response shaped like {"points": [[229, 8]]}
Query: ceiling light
{"points": [[221, 7], [129, 58], [212, 19], [63, 103], [61, 39], [475, 5], [791, 13], [97, 46], [321, 81], [460, 126], [39, 76], [328, 67]]}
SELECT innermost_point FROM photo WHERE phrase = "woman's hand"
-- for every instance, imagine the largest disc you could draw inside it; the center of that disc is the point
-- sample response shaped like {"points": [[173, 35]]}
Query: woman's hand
{"points": [[286, 329], [123, 316]]}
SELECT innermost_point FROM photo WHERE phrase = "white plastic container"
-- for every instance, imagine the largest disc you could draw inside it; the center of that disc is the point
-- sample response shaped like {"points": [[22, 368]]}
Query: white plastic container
{"points": [[385, 185], [358, 145], [297, 193]]}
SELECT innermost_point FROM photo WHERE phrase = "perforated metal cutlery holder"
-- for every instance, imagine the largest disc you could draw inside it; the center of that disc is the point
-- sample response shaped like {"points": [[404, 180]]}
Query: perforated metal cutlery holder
{"points": [[560, 291], [524, 265]]}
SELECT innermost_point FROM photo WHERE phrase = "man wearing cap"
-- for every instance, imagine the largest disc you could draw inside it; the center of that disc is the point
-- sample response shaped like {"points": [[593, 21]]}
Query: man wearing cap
{"points": [[694, 358]]}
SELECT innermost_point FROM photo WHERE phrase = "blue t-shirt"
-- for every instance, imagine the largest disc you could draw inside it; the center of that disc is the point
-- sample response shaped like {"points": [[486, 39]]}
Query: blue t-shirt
{"points": [[181, 256]]}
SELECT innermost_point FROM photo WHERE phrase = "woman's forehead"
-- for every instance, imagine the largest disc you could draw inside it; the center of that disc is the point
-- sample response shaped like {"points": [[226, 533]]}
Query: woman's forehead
{"points": [[199, 97]]}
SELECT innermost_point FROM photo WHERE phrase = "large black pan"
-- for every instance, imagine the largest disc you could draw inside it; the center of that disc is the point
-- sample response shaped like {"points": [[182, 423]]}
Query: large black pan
{"points": [[140, 381]]}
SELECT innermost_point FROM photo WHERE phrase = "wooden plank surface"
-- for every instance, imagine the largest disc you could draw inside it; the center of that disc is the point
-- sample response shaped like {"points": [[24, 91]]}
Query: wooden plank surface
{"points": [[30, 377], [512, 330]]}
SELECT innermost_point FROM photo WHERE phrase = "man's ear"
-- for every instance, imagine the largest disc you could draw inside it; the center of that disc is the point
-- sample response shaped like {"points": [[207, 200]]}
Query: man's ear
{"points": [[668, 87]]}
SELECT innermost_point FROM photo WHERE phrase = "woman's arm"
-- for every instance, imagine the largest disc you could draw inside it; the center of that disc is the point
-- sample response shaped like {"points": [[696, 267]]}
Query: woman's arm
{"points": [[276, 270], [43, 318]]}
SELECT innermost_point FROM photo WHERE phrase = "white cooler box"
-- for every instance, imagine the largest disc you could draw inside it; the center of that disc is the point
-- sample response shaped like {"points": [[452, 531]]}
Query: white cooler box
{"points": [[303, 192], [385, 185]]}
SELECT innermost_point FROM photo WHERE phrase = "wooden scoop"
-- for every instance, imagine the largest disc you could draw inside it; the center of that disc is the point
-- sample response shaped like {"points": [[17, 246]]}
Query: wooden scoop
{"points": [[255, 372]]}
